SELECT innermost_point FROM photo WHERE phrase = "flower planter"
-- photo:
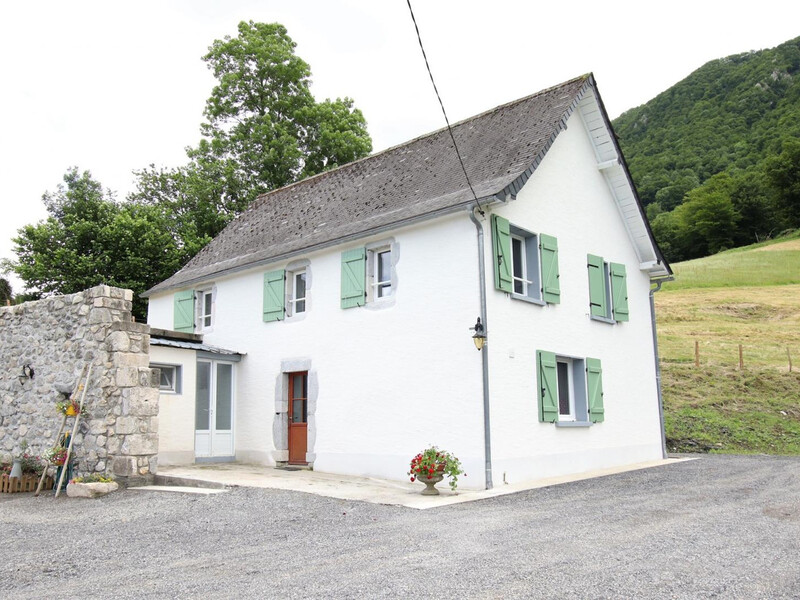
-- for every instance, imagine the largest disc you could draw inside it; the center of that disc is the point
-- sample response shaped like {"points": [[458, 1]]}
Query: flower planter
{"points": [[91, 490], [430, 483]]}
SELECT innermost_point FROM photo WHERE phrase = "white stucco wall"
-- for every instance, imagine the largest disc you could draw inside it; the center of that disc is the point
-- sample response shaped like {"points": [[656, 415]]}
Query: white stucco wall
{"points": [[567, 197], [176, 411], [392, 379]]}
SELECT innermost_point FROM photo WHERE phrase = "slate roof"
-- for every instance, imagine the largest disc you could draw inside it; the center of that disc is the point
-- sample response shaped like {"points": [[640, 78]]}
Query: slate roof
{"points": [[419, 179]]}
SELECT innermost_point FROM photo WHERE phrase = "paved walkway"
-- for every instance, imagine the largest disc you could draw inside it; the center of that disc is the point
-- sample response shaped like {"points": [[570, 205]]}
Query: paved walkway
{"points": [[366, 489]]}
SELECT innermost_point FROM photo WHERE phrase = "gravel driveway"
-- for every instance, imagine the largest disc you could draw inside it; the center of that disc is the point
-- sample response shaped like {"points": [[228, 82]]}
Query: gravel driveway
{"points": [[722, 527]]}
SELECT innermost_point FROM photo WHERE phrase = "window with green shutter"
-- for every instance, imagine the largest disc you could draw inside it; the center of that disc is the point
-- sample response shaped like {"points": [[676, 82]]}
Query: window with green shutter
{"points": [[551, 291], [570, 390], [619, 291], [608, 290], [594, 385], [353, 292], [525, 264], [183, 311], [274, 295], [598, 301], [501, 242], [548, 386]]}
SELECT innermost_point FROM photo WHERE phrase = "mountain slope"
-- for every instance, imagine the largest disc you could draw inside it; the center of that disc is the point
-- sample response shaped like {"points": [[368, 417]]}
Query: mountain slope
{"points": [[730, 113]]}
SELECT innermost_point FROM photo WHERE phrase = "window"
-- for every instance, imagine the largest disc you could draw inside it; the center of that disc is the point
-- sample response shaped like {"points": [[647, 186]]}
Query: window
{"points": [[286, 291], [526, 264], [369, 274], [296, 303], [608, 290], [205, 305], [381, 272], [170, 380], [570, 389], [193, 310]]}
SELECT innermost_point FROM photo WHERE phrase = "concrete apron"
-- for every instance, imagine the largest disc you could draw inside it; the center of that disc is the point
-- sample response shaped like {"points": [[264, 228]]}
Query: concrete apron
{"points": [[366, 489]]}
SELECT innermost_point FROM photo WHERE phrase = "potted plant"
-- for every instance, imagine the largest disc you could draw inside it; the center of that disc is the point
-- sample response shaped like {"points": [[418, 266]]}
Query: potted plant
{"points": [[69, 407], [431, 466], [57, 455], [91, 486]]}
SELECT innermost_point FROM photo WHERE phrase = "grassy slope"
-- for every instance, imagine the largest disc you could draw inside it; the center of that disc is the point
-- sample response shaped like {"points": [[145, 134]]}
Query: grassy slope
{"points": [[748, 296]]}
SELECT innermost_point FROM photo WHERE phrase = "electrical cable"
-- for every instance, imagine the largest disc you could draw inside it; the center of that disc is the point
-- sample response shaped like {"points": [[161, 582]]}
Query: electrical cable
{"points": [[444, 112]]}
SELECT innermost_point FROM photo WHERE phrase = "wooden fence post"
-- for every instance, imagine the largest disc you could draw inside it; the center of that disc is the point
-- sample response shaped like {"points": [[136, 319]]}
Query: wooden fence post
{"points": [[789, 356], [741, 360], [696, 353]]}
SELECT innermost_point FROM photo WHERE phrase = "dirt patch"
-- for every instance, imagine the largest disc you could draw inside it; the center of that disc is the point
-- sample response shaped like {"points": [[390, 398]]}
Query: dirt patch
{"points": [[744, 310], [788, 245], [786, 512]]}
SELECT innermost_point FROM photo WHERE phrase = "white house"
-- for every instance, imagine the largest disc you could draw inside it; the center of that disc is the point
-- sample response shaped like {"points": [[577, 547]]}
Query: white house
{"points": [[345, 303]]}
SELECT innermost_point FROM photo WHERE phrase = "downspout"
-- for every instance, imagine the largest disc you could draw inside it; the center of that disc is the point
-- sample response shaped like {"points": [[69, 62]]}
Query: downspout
{"points": [[658, 283], [487, 439]]}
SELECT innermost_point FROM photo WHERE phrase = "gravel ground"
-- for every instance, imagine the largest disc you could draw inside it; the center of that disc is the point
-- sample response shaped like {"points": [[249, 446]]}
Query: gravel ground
{"points": [[721, 527]]}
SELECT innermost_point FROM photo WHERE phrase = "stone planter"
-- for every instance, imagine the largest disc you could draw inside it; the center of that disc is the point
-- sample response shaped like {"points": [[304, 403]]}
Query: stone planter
{"points": [[91, 490], [430, 482]]}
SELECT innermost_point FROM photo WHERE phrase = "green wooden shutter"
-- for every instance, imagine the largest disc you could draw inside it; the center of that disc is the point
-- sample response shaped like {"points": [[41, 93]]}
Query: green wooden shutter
{"points": [[354, 275], [548, 386], [501, 245], [619, 291], [274, 295], [548, 247], [594, 383], [183, 314], [597, 286]]}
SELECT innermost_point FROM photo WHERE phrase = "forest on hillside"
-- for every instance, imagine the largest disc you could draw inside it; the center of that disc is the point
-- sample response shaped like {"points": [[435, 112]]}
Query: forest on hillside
{"points": [[716, 157]]}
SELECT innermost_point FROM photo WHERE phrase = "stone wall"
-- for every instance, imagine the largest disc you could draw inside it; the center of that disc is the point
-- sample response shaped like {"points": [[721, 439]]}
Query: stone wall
{"points": [[57, 336]]}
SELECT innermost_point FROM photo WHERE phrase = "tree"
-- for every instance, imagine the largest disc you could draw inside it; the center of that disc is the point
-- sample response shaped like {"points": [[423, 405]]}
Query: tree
{"points": [[6, 293], [89, 239], [783, 174], [263, 130]]}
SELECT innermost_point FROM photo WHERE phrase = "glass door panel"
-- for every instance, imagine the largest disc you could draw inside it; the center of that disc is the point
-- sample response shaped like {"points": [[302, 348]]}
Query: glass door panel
{"points": [[224, 396], [203, 397]]}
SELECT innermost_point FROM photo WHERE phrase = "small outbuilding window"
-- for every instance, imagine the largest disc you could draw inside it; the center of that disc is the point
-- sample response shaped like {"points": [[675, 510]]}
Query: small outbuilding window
{"points": [[170, 379]]}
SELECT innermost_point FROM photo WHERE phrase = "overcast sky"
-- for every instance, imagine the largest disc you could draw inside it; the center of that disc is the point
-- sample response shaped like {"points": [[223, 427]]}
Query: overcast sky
{"points": [[114, 86]]}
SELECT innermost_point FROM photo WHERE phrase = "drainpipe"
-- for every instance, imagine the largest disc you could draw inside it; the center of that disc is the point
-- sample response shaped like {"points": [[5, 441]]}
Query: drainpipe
{"points": [[487, 435], [658, 283]]}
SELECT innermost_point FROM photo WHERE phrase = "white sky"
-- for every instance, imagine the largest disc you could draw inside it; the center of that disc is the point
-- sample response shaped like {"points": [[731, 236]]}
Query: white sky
{"points": [[114, 86]]}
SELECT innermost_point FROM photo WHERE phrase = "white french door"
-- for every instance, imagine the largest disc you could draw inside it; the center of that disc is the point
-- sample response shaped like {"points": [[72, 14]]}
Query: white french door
{"points": [[213, 418]]}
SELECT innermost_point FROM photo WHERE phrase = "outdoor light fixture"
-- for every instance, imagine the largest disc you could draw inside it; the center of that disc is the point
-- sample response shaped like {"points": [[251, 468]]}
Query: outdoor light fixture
{"points": [[479, 337], [27, 373]]}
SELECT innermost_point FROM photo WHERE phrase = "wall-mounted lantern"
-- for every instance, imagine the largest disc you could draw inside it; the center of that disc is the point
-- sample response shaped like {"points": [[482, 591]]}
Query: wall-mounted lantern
{"points": [[479, 338]]}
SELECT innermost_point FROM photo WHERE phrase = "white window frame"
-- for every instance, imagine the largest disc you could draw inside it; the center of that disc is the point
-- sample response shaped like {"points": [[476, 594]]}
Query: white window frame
{"points": [[381, 285], [292, 298], [177, 378], [531, 276], [205, 321], [570, 366], [387, 286]]}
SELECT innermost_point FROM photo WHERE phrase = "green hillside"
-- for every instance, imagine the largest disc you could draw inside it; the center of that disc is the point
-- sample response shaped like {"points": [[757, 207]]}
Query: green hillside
{"points": [[723, 141], [748, 296]]}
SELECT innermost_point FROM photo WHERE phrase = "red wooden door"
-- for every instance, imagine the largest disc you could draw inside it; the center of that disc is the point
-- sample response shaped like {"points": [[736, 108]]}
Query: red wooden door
{"points": [[298, 417]]}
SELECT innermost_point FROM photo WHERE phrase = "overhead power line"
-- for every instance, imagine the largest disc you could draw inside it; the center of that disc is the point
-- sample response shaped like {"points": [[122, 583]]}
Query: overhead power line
{"points": [[444, 112]]}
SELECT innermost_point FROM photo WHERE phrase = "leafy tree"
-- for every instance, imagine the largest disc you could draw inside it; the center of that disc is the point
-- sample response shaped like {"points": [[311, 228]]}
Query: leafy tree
{"points": [[263, 130], [707, 219], [6, 293], [783, 174], [89, 239]]}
